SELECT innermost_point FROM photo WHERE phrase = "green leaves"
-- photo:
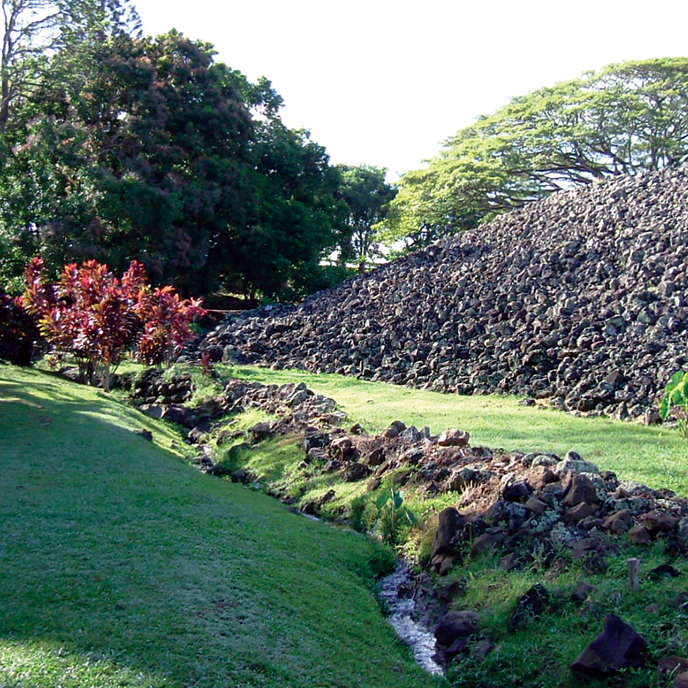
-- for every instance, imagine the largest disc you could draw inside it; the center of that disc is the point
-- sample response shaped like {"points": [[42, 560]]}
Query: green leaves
{"points": [[623, 119], [675, 394]]}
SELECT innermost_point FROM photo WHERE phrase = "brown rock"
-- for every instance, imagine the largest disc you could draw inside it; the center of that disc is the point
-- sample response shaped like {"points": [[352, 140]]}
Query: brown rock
{"points": [[482, 648], [448, 563], [486, 541], [541, 476], [671, 667], [450, 522], [456, 625], [343, 449], [618, 647], [658, 522], [639, 535], [652, 608], [619, 522], [681, 681], [376, 457], [581, 511], [374, 484], [453, 438], [582, 490], [580, 549], [536, 505], [509, 562]]}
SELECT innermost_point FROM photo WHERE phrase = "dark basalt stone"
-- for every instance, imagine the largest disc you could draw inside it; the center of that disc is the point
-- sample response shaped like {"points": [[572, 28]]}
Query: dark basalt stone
{"points": [[580, 297]]}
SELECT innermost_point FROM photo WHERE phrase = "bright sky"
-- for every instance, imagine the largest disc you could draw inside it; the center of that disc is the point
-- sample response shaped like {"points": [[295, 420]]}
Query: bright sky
{"points": [[384, 82]]}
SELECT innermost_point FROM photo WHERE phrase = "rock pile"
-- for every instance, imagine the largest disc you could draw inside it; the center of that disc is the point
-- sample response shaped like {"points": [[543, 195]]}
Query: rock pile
{"points": [[519, 503], [580, 298], [297, 409]]}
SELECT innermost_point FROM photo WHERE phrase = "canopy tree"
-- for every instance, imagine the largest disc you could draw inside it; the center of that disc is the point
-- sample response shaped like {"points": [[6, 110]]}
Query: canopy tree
{"points": [[623, 119], [147, 149], [367, 195]]}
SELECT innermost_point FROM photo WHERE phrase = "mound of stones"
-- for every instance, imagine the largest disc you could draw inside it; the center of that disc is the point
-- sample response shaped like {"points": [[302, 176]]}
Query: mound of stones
{"points": [[296, 408], [536, 502], [579, 298]]}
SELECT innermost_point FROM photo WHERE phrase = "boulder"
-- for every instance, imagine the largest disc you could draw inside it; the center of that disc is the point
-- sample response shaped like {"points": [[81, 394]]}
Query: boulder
{"points": [[453, 438], [456, 625], [618, 647], [450, 522]]}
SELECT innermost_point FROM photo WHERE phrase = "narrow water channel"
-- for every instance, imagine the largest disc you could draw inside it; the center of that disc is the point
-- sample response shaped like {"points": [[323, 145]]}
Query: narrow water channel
{"points": [[397, 592]]}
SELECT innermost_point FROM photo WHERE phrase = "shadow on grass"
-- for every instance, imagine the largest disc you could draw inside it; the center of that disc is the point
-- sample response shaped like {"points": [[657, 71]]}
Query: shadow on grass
{"points": [[122, 567]]}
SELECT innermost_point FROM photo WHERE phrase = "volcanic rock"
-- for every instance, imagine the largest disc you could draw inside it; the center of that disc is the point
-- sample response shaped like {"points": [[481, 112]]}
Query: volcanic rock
{"points": [[618, 647], [579, 297]]}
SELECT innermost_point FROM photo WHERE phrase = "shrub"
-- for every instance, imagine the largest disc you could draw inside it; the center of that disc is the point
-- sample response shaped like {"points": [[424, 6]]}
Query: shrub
{"points": [[18, 331], [675, 400], [96, 318]]}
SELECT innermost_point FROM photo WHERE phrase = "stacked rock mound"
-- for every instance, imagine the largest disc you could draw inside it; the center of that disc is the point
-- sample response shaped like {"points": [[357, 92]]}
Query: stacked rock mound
{"points": [[297, 408], [513, 499], [580, 298]]}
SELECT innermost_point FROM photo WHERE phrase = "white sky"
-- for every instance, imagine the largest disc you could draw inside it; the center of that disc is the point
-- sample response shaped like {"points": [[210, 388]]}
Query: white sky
{"points": [[385, 82]]}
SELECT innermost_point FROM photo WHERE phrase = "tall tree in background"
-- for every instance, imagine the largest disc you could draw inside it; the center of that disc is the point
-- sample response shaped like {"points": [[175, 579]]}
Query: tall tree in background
{"points": [[147, 149], [623, 119], [367, 195], [34, 30]]}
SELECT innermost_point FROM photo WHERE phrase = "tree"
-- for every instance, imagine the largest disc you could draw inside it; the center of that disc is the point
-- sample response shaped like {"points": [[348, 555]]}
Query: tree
{"points": [[367, 195], [148, 149], [33, 30], [623, 119]]}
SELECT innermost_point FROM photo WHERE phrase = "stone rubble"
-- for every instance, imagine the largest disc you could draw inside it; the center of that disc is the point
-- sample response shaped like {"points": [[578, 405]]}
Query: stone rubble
{"points": [[579, 299]]}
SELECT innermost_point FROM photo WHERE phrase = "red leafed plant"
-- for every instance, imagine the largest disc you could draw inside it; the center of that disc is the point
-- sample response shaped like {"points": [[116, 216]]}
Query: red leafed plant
{"points": [[166, 319], [97, 318]]}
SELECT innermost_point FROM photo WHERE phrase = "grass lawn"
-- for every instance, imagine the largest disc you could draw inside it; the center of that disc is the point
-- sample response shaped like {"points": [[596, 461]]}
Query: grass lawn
{"points": [[121, 565], [655, 456]]}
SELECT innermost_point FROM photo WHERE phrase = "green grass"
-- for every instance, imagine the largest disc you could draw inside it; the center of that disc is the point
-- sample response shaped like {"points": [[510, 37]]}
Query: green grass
{"points": [[540, 653], [655, 456], [121, 565]]}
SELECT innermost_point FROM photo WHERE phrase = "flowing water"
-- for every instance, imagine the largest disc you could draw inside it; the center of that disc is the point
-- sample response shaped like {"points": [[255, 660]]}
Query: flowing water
{"points": [[397, 592]]}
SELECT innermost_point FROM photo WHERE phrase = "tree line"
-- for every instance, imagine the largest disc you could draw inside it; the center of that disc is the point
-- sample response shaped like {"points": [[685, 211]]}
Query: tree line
{"points": [[116, 146], [622, 119]]}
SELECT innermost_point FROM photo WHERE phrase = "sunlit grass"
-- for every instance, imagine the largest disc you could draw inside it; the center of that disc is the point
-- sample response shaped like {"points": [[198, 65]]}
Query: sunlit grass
{"points": [[121, 565]]}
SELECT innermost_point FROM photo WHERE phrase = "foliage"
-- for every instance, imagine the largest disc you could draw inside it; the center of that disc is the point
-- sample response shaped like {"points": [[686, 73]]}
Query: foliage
{"points": [[18, 331], [623, 119], [392, 513], [96, 318], [675, 400], [148, 149], [367, 195], [166, 320]]}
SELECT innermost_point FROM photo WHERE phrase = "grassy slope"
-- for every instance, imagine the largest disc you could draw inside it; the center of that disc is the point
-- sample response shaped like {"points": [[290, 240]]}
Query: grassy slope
{"points": [[656, 456], [120, 565], [538, 656]]}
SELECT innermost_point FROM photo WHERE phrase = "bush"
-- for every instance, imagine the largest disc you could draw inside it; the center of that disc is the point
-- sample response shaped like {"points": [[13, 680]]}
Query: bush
{"points": [[98, 319], [18, 331], [675, 400]]}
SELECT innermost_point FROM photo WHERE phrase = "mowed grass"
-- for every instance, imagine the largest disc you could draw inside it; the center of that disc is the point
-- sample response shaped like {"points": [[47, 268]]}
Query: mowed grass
{"points": [[653, 455], [121, 565]]}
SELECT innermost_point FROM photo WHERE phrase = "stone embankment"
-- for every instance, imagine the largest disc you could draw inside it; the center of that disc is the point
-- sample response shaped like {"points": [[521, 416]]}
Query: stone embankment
{"points": [[579, 299]]}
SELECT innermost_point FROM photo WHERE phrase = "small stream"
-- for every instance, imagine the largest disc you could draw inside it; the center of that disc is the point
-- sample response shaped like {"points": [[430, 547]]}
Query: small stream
{"points": [[397, 591]]}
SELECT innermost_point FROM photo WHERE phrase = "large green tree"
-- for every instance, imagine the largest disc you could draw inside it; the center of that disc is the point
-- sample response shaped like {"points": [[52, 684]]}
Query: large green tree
{"points": [[367, 194], [622, 119], [149, 149]]}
